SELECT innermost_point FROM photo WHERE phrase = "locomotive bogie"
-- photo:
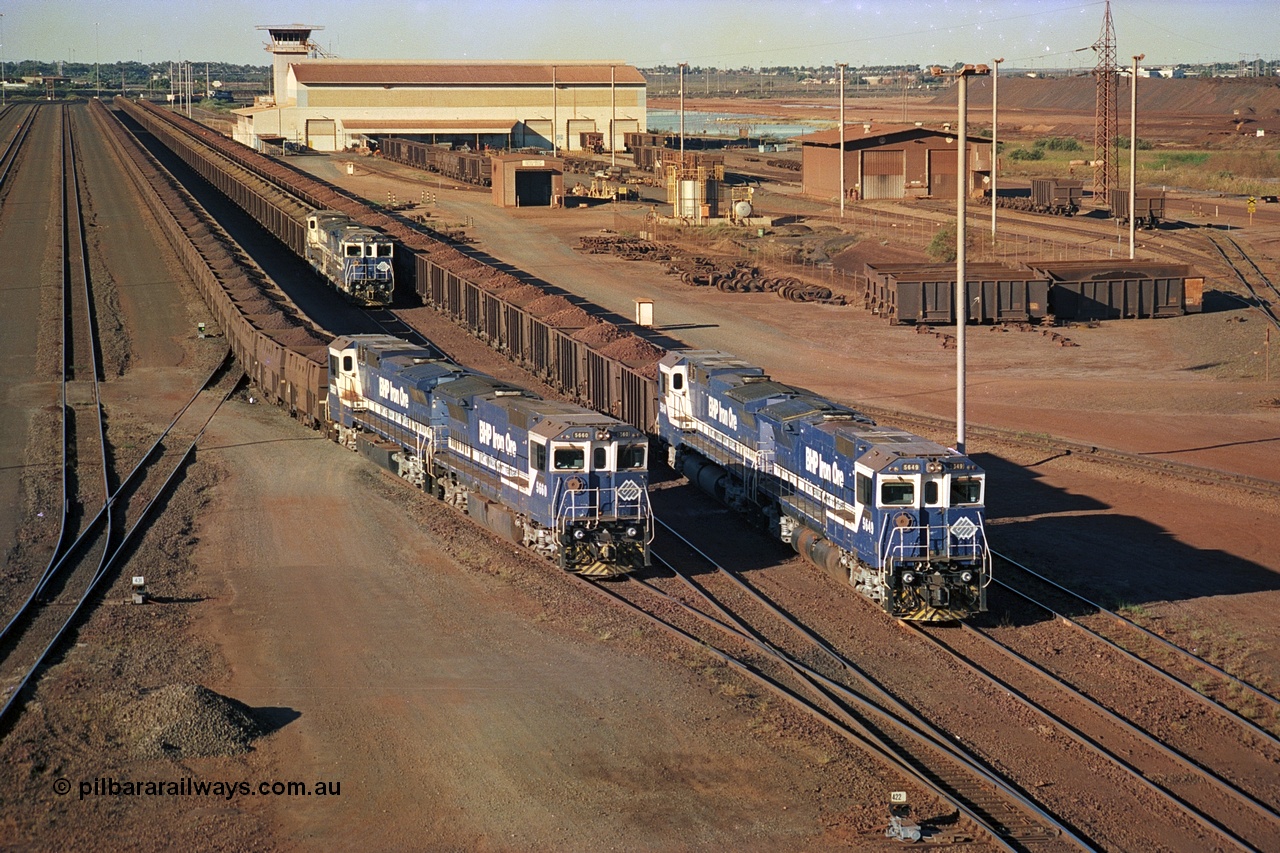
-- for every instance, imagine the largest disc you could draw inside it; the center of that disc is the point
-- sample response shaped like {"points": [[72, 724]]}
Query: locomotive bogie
{"points": [[895, 515]]}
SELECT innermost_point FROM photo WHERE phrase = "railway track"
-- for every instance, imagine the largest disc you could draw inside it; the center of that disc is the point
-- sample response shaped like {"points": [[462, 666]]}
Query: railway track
{"points": [[25, 118], [1193, 674], [793, 663], [1229, 815], [1263, 293], [84, 444], [104, 508], [1231, 807]]}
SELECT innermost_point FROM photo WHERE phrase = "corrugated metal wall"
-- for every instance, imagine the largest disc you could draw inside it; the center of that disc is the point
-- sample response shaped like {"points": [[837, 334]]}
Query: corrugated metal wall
{"points": [[884, 174]]}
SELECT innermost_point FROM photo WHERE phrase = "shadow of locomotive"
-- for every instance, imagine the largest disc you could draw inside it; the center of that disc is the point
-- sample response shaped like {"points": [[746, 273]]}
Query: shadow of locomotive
{"points": [[1113, 559]]}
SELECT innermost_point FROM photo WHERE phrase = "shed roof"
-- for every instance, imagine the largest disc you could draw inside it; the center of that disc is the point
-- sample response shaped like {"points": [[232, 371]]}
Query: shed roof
{"points": [[428, 125], [859, 134], [322, 72]]}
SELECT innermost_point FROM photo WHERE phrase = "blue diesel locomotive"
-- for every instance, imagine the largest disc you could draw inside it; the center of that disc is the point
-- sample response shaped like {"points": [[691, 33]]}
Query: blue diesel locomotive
{"points": [[354, 259], [567, 482], [896, 515]]}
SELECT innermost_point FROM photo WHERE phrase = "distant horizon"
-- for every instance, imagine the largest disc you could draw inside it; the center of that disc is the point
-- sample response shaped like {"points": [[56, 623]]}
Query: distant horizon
{"points": [[1031, 35], [1005, 69]]}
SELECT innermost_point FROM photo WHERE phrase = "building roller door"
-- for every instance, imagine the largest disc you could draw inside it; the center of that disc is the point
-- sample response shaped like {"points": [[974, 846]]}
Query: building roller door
{"points": [[322, 134], [577, 127], [533, 187], [884, 174], [942, 173], [621, 128]]}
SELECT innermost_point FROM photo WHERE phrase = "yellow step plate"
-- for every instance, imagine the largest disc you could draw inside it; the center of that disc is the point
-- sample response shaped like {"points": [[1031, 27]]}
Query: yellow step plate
{"points": [[601, 570]]}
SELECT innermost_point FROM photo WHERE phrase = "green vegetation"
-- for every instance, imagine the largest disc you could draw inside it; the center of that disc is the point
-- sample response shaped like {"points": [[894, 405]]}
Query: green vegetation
{"points": [[942, 249], [1059, 143], [1174, 159], [1230, 171]]}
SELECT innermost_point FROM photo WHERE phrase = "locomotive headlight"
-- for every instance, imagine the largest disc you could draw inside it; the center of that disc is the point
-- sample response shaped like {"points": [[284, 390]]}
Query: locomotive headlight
{"points": [[908, 577], [966, 577], [579, 534], [633, 532]]}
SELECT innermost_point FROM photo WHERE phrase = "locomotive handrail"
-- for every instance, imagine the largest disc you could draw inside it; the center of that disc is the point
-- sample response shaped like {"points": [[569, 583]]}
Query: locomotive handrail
{"points": [[894, 547]]}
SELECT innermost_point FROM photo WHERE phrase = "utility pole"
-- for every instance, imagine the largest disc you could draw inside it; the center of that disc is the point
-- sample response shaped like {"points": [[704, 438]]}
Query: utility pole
{"points": [[1133, 153], [843, 66], [995, 100], [962, 76], [683, 65]]}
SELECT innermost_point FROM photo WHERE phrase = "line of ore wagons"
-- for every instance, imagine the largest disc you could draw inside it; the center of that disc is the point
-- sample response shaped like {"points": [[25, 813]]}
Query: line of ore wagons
{"points": [[280, 350], [594, 362]]}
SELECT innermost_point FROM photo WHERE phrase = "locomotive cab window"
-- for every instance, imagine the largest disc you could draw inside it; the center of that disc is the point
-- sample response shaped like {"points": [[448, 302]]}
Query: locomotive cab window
{"points": [[384, 250], [677, 381], [932, 493], [600, 458], [865, 493], [897, 493], [348, 364], [570, 458], [631, 456], [966, 491], [353, 250], [538, 454]]}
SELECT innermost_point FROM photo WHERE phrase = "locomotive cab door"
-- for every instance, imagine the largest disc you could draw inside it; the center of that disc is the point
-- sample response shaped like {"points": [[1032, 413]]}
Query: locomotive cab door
{"points": [[675, 394], [344, 378]]}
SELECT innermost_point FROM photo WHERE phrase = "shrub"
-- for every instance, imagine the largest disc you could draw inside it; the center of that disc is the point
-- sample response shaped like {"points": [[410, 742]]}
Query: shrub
{"points": [[942, 249], [1058, 143], [1025, 154]]}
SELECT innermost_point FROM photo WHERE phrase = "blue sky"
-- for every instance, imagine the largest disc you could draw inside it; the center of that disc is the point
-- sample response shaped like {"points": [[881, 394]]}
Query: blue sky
{"points": [[715, 33]]}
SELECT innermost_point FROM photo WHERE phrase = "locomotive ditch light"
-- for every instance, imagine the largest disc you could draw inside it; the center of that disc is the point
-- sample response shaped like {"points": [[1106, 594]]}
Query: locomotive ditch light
{"points": [[966, 577], [908, 577], [633, 531], [579, 534]]}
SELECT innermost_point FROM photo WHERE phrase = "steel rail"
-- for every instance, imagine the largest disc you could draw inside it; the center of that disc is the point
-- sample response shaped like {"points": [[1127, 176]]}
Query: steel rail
{"points": [[850, 729], [60, 547], [1260, 302], [73, 232], [13, 703], [1254, 264], [1253, 727], [133, 478], [1211, 824], [10, 154], [905, 719]]}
